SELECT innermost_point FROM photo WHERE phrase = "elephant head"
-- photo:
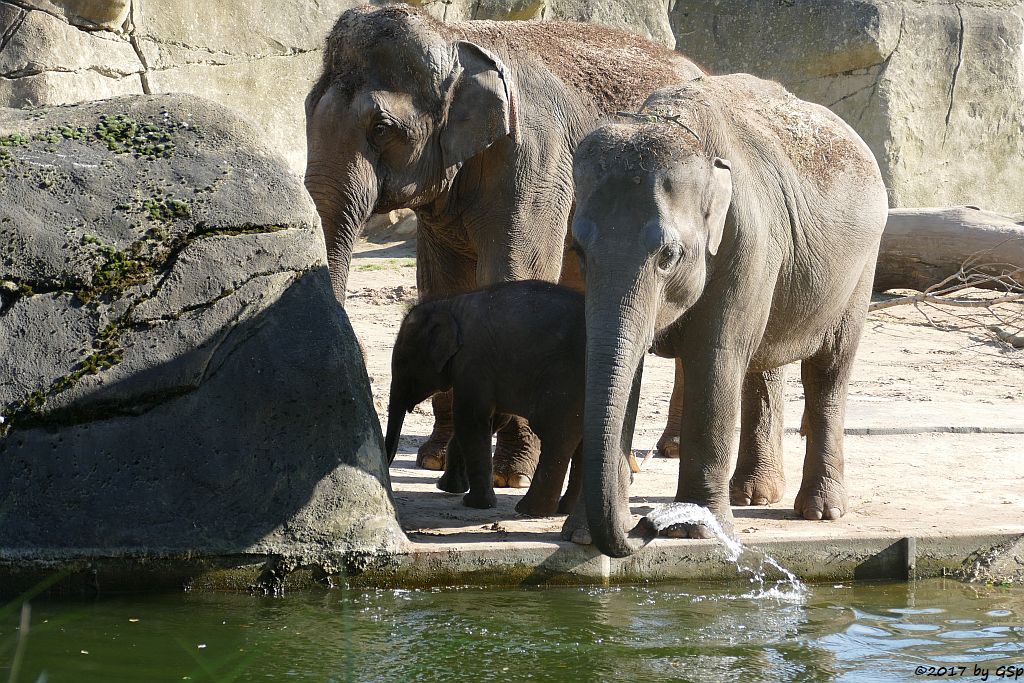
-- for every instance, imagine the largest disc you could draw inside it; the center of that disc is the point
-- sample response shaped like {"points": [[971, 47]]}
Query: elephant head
{"points": [[420, 364], [650, 216], [401, 104]]}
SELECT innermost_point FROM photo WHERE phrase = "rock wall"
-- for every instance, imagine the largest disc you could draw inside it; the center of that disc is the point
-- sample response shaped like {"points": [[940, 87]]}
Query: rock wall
{"points": [[936, 88], [175, 374], [259, 57]]}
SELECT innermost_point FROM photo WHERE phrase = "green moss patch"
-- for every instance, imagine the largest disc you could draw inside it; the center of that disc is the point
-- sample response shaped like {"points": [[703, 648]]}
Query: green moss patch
{"points": [[124, 135], [15, 140], [61, 133], [166, 209]]}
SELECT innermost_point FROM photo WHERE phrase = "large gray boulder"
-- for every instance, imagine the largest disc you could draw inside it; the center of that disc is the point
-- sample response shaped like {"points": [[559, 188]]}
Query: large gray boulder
{"points": [[936, 88], [175, 374]]}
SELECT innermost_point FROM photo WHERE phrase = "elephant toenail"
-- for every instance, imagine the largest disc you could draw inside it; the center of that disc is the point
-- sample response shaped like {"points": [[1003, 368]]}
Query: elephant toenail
{"points": [[519, 481]]}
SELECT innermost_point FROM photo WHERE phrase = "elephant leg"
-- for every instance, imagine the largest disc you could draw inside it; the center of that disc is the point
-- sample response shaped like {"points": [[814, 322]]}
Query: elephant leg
{"points": [[556, 449], [759, 478], [439, 272], [822, 492], [432, 452], [668, 444], [575, 485], [712, 398], [576, 528], [826, 379], [454, 479], [517, 243], [516, 455], [472, 438]]}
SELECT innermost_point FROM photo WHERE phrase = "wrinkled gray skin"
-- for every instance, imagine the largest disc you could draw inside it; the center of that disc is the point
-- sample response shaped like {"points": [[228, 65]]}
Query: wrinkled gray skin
{"points": [[739, 237], [473, 126], [515, 348]]}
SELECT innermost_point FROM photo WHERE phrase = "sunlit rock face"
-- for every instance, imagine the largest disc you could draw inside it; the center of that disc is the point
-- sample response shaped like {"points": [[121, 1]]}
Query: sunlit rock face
{"points": [[935, 88]]}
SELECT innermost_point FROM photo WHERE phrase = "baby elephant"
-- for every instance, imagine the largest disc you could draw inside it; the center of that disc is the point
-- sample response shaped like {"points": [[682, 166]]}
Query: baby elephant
{"points": [[511, 349]]}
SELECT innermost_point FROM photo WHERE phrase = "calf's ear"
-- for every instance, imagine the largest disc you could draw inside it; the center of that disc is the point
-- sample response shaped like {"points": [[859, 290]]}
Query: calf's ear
{"points": [[480, 104], [718, 201], [444, 339]]}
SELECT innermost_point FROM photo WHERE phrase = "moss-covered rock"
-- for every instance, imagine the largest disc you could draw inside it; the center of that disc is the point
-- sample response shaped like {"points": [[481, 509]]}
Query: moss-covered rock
{"points": [[175, 375]]}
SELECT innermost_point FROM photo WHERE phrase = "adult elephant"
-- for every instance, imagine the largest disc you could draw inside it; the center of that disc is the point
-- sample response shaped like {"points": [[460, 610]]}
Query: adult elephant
{"points": [[736, 228], [473, 125]]}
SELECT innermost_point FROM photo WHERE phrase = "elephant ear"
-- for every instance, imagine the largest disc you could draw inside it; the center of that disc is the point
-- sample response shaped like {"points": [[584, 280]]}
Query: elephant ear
{"points": [[481, 107], [720, 189], [443, 334]]}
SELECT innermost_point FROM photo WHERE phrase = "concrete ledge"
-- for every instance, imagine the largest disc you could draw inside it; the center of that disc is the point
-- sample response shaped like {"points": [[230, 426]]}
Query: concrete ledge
{"points": [[812, 559], [518, 563]]}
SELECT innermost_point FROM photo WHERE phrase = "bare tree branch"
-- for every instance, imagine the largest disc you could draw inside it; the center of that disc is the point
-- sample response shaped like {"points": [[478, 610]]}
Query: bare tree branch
{"points": [[998, 311]]}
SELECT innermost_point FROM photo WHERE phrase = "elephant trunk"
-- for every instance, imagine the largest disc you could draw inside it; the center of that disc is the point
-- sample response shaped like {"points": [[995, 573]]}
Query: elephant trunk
{"points": [[618, 334], [396, 416], [344, 198]]}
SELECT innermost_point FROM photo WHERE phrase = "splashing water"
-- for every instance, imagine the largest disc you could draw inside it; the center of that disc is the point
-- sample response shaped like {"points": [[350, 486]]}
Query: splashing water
{"points": [[789, 588]]}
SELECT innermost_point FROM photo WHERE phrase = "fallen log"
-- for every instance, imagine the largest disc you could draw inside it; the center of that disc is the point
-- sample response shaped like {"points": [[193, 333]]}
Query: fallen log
{"points": [[922, 247]]}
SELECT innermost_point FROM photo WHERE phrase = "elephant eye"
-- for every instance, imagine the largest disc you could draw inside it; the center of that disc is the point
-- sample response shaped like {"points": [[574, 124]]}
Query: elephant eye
{"points": [[669, 256], [380, 131]]}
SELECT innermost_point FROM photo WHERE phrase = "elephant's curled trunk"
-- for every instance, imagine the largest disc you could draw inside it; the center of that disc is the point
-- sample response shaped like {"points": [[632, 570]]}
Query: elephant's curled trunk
{"points": [[614, 367]]}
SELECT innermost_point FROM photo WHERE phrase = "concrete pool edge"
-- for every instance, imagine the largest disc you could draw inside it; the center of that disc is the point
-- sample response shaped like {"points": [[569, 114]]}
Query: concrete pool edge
{"points": [[989, 556]]}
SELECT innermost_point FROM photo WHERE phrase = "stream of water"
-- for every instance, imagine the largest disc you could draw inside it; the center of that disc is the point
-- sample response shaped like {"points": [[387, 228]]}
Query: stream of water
{"points": [[788, 587]]}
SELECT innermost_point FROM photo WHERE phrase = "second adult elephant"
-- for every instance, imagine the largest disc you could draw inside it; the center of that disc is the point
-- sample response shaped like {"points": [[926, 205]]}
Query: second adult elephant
{"points": [[738, 227], [473, 125]]}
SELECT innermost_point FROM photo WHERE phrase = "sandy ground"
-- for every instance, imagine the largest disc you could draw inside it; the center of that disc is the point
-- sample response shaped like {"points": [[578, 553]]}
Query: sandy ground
{"points": [[935, 429]]}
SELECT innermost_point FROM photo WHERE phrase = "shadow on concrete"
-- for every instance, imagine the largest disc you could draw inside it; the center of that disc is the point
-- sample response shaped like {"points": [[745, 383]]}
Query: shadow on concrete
{"points": [[759, 512], [895, 561]]}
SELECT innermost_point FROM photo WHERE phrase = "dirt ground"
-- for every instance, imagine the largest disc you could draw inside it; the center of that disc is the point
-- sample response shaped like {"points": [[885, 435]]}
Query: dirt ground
{"points": [[934, 446]]}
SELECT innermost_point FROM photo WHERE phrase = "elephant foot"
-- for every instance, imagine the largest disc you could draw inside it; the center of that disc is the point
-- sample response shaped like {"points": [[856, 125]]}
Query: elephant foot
{"points": [[687, 531], [581, 536], [432, 454], [756, 488], [516, 455], [723, 515], [453, 483], [821, 498], [481, 500], [536, 507], [668, 446], [576, 528], [434, 451]]}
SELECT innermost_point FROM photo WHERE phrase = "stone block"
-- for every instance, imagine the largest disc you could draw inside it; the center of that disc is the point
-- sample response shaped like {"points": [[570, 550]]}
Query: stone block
{"points": [[934, 87]]}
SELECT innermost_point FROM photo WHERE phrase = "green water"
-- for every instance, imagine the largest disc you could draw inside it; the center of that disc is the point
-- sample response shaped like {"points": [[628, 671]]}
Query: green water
{"points": [[867, 632]]}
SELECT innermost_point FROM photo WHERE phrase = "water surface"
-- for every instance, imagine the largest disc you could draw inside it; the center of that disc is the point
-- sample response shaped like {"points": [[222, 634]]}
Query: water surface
{"points": [[851, 632]]}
